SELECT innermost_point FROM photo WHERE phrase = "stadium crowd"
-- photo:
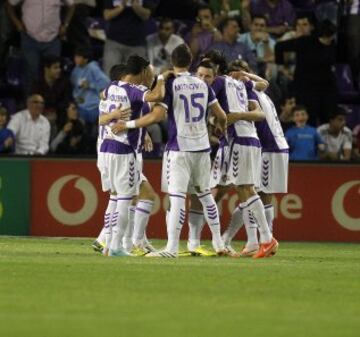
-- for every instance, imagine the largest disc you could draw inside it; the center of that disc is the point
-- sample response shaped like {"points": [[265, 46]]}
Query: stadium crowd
{"points": [[55, 61]]}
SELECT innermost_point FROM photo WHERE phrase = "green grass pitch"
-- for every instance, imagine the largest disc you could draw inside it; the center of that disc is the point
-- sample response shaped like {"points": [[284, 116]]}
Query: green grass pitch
{"points": [[61, 288]]}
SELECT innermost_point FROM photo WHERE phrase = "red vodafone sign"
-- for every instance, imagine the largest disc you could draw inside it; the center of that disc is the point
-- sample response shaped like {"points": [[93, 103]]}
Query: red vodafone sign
{"points": [[66, 198], [323, 203]]}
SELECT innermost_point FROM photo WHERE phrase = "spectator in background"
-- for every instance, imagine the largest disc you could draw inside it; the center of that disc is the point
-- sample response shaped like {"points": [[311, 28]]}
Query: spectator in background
{"points": [[41, 30], [77, 34], [87, 80], [161, 44], [203, 33], [232, 9], [54, 88], [126, 29], [71, 138], [287, 105], [31, 128], [337, 137], [352, 33], [230, 47], [314, 79], [279, 13], [261, 44], [304, 141], [7, 139], [356, 142]]}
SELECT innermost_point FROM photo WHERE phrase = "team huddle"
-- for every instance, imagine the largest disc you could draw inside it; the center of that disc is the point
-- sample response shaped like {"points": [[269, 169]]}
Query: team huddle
{"points": [[222, 109]]}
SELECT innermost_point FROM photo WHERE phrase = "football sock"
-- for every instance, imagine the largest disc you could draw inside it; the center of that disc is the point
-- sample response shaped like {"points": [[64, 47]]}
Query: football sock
{"points": [[142, 214], [196, 224], [235, 224], [101, 237], [250, 227], [212, 217], [255, 205], [109, 217], [118, 231], [127, 239], [269, 213], [176, 219]]}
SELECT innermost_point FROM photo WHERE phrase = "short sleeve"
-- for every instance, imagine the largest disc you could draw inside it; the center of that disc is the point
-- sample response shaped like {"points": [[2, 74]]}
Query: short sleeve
{"points": [[211, 97], [250, 91], [218, 85]]}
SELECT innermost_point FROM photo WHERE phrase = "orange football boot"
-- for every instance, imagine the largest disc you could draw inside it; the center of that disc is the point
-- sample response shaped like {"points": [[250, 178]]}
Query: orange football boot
{"points": [[267, 249]]}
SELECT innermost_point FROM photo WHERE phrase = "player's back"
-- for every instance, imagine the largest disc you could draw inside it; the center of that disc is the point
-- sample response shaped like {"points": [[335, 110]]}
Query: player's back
{"points": [[187, 99], [269, 130]]}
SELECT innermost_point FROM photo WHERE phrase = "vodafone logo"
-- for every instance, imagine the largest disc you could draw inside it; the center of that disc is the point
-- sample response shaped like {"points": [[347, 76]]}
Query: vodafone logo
{"points": [[338, 206], [77, 217]]}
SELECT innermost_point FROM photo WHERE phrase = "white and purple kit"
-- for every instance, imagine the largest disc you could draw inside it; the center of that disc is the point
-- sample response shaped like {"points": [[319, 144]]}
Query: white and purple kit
{"points": [[119, 151], [275, 149], [186, 161]]}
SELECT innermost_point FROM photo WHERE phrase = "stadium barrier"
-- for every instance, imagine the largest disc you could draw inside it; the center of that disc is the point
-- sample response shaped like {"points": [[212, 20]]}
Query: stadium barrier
{"points": [[63, 197]]}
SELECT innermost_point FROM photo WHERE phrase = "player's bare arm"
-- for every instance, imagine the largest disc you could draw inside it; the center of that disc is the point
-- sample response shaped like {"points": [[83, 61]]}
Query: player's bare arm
{"points": [[158, 93], [255, 114], [220, 115], [122, 114], [155, 116], [260, 83]]}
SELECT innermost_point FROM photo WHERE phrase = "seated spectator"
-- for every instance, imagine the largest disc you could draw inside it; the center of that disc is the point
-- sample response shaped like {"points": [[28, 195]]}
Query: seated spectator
{"points": [[232, 8], [304, 141], [54, 88], [279, 13], [88, 80], [204, 33], [161, 44], [230, 47], [31, 128], [287, 105], [72, 137], [337, 137], [7, 139], [260, 43], [125, 33]]}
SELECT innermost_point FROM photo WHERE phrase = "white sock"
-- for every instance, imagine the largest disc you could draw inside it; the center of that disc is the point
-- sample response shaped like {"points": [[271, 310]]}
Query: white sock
{"points": [[269, 213], [255, 205], [142, 213], [196, 224], [250, 227], [118, 231], [212, 217], [127, 239], [176, 219], [235, 224], [105, 235]]}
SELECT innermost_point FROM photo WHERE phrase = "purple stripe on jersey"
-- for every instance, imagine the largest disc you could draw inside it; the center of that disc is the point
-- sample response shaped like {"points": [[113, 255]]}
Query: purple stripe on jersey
{"points": [[113, 146], [138, 209], [113, 199], [177, 196], [125, 198], [268, 206], [204, 195], [275, 151], [266, 137], [246, 141]]}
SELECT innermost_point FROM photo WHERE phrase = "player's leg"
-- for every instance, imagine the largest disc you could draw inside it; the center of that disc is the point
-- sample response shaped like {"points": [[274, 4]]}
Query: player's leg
{"points": [[143, 210], [235, 225], [196, 223], [269, 208], [127, 239]]}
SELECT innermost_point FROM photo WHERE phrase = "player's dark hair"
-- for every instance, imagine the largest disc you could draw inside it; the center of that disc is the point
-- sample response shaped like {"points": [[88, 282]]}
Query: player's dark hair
{"points": [[326, 29], [181, 56], [299, 108], [207, 65], [237, 65], [218, 58], [117, 72], [136, 64], [85, 52], [49, 60]]}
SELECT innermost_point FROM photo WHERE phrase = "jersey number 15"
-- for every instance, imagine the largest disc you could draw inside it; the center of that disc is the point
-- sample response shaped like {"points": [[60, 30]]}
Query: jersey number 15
{"points": [[195, 105]]}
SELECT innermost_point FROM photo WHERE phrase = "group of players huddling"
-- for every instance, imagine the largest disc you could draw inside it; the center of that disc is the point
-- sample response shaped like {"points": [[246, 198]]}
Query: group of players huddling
{"points": [[215, 108]]}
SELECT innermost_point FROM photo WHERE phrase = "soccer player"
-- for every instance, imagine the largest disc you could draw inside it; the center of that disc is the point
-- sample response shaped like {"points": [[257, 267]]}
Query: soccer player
{"points": [[187, 162], [274, 167], [120, 160]]}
